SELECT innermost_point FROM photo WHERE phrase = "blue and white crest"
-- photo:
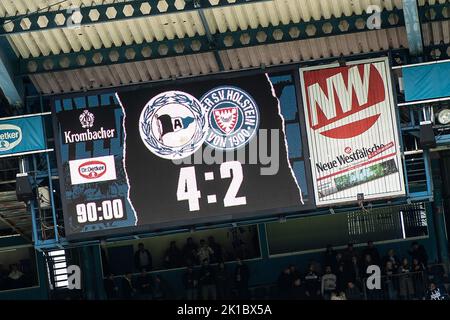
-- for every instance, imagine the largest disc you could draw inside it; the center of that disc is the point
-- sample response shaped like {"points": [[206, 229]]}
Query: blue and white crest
{"points": [[233, 117], [172, 125]]}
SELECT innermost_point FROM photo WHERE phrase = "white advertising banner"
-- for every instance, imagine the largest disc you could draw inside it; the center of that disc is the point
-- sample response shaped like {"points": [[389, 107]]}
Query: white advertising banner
{"points": [[352, 131], [92, 170]]}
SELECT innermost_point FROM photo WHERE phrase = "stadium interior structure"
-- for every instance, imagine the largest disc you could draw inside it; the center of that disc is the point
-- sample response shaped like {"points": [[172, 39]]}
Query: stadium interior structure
{"points": [[80, 52]]}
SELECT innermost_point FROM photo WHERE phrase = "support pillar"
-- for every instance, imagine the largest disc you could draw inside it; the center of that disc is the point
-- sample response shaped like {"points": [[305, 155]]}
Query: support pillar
{"points": [[439, 171]]}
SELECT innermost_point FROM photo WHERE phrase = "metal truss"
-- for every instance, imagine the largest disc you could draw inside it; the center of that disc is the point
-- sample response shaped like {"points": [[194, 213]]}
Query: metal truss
{"points": [[117, 11]]}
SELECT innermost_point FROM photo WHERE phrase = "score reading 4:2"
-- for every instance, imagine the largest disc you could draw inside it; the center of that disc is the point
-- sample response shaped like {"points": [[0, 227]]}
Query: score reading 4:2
{"points": [[188, 190], [100, 211]]}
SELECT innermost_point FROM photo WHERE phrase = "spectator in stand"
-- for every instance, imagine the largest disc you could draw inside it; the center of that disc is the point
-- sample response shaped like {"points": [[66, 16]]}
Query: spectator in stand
{"points": [[390, 281], [294, 272], [373, 252], [241, 278], [143, 258], [339, 259], [204, 252], [391, 256], [352, 292], [144, 285], [216, 248], [285, 283], [354, 272], [190, 283], [418, 252], [190, 252], [222, 281], [349, 253], [15, 273], [206, 281], [15, 277], [317, 266], [161, 289], [367, 263], [128, 290], [406, 284], [336, 295], [342, 277], [242, 251], [418, 276], [110, 286], [436, 292], [173, 256], [312, 283], [329, 283], [329, 257], [298, 290]]}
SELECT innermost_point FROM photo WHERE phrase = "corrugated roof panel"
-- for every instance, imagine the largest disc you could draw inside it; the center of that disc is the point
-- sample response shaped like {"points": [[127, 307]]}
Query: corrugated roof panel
{"points": [[435, 32], [123, 74], [152, 70], [169, 26], [172, 26], [422, 2], [233, 59]]}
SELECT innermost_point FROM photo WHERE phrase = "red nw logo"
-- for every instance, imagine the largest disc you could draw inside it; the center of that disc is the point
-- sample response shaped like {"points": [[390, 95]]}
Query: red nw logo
{"points": [[92, 169], [339, 94]]}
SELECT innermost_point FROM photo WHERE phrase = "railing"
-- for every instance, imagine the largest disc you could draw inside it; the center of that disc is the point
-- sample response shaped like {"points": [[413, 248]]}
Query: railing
{"points": [[407, 286], [402, 286]]}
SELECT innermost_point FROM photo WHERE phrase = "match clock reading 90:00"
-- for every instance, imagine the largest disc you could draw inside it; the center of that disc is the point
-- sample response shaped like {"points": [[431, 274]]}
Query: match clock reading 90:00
{"points": [[105, 210]]}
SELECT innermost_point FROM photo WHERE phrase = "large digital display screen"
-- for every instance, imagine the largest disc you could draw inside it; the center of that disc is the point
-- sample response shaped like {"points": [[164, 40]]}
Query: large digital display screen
{"points": [[180, 155]]}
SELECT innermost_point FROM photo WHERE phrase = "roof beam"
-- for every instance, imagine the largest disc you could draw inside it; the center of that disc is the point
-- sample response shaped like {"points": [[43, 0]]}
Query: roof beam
{"points": [[11, 86], [413, 27], [202, 44], [14, 227], [73, 17], [209, 35]]}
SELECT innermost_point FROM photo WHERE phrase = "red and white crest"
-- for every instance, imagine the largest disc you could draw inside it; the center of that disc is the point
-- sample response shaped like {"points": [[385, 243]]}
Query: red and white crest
{"points": [[226, 119]]}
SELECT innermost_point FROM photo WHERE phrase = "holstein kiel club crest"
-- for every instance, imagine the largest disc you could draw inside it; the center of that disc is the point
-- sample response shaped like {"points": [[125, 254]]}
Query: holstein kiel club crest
{"points": [[172, 125], [233, 117]]}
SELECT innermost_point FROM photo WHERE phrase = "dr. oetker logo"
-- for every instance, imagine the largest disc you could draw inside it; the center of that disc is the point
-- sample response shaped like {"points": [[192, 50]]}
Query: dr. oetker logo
{"points": [[10, 136], [92, 169]]}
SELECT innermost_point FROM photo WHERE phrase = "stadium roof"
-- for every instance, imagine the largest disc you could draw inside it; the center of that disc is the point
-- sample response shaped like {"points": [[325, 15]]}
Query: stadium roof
{"points": [[112, 43]]}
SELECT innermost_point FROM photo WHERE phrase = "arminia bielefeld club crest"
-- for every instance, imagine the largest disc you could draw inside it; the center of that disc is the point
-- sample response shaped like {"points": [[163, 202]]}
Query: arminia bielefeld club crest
{"points": [[172, 125], [233, 117]]}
